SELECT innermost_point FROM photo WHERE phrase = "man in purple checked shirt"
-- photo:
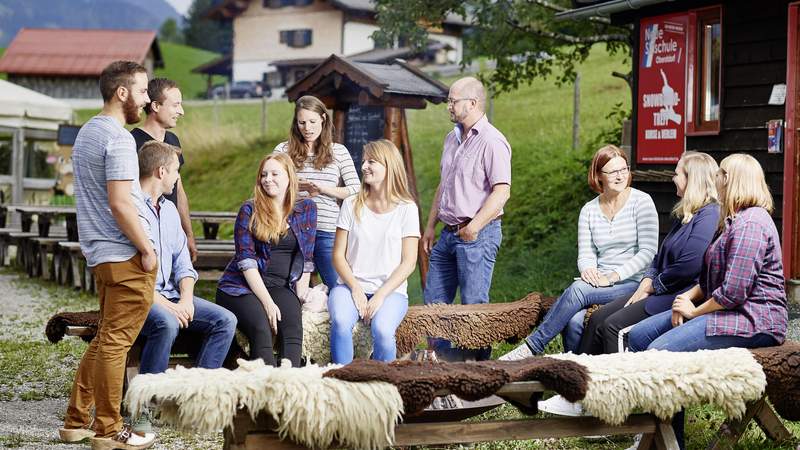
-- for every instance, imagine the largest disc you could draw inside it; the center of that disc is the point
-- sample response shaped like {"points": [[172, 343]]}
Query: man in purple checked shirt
{"points": [[474, 186]]}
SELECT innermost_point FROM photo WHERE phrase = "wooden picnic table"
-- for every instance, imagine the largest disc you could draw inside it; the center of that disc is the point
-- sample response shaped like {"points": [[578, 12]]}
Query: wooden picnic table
{"points": [[211, 221], [45, 214]]}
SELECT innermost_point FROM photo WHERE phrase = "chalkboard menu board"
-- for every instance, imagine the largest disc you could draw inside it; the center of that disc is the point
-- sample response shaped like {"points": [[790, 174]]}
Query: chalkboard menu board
{"points": [[362, 124]]}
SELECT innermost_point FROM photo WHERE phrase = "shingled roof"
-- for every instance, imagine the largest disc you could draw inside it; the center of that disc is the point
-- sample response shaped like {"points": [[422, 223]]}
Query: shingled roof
{"points": [[72, 52]]}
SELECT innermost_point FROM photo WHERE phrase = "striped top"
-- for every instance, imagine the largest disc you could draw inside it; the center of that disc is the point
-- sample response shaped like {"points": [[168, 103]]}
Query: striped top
{"points": [[104, 151], [339, 172], [626, 244]]}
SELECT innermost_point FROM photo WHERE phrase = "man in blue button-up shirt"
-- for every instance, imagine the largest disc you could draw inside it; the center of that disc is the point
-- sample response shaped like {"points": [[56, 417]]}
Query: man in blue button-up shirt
{"points": [[175, 306]]}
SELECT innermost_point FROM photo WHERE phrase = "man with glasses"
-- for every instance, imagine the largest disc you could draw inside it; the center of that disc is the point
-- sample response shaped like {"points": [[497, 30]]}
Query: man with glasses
{"points": [[474, 186], [163, 112]]}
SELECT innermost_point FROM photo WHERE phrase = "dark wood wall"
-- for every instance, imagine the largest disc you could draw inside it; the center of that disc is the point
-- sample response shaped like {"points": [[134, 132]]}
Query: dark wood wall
{"points": [[754, 37]]}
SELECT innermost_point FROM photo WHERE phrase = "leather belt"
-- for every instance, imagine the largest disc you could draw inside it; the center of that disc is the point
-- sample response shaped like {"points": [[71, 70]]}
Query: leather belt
{"points": [[456, 227]]}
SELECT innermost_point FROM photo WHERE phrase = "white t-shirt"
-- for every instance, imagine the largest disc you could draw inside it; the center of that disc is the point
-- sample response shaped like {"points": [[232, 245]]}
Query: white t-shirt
{"points": [[374, 243]]}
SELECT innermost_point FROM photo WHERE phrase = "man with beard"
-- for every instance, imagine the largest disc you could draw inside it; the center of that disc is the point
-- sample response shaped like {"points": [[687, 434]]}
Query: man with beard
{"points": [[475, 183], [163, 111], [116, 245]]}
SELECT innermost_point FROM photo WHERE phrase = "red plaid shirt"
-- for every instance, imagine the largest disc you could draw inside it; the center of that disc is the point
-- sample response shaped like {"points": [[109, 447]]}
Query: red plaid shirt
{"points": [[743, 271]]}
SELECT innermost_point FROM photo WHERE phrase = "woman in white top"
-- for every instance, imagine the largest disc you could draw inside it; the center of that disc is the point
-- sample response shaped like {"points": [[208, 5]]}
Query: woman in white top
{"points": [[374, 253], [617, 240], [325, 172]]}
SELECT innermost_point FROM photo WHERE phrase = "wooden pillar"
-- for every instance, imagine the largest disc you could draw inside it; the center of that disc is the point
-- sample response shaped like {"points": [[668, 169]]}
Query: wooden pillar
{"points": [[338, 125], [408, 159], [18, 166]]}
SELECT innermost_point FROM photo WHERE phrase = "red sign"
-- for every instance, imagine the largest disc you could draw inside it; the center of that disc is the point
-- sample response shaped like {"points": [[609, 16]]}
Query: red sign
{"points": [[661, 97]]}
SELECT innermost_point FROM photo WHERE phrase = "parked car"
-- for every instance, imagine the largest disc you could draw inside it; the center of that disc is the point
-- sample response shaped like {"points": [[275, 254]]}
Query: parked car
{"points": [[241, 89]]}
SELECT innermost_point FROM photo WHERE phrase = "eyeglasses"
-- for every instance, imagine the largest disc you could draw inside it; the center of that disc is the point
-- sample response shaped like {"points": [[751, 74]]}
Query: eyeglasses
{"points": [[453, 101], [622, 172]]}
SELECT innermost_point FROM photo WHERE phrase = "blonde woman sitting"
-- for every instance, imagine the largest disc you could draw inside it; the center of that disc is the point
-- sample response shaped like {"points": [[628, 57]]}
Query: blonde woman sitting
{"points": [[374, 253]]}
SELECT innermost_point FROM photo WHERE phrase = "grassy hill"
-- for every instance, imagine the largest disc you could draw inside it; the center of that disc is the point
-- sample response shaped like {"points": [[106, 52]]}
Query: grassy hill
{"points": [[179, 61]]}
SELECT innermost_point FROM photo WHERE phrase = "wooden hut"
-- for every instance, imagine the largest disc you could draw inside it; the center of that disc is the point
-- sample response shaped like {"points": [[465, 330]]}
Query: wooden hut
{"points": [[719, 77]]}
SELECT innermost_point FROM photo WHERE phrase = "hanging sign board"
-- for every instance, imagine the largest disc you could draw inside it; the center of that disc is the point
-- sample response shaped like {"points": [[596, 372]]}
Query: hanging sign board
{"points": [[661, 96]]}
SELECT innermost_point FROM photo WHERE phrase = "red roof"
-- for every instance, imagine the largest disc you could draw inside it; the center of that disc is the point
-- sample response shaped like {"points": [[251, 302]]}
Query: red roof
{"points": [[54, 51]]}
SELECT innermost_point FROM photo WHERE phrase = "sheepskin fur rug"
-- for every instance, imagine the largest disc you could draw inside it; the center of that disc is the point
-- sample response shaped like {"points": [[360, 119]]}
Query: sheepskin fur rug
{"points": [[662, 382], [781, 365], [309, 409], [57, 325], [418, 381], [471, 326], [317, 338]]}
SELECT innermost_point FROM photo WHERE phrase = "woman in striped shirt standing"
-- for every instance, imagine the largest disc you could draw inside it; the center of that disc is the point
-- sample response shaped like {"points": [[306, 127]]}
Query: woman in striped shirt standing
{"points": [[325, 172]]}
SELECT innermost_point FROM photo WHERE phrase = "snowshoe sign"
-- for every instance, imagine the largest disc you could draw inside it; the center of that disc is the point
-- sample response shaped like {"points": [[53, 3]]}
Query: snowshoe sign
{"points": [[661, 97]]}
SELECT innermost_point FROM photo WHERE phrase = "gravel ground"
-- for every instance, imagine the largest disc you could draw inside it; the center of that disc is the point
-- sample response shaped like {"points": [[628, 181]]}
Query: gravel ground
{"points": [[33, 424]]}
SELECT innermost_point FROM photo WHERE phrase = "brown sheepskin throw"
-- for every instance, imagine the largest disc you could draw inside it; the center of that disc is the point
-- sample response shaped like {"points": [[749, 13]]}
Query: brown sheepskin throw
{"points": [[57, 325], [471, 326], [418, 382], [782, 367]]}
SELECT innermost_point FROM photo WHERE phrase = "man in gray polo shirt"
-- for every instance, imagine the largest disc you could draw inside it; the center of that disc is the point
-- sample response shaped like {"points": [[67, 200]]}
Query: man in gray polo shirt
{"points": [[118, 248]]}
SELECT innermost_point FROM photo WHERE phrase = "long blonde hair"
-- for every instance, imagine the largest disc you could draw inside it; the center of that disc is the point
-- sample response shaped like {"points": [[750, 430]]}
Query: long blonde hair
{"points": [[386, 154], [745, 186], [267, 224], [323, 146], [700, 189]]}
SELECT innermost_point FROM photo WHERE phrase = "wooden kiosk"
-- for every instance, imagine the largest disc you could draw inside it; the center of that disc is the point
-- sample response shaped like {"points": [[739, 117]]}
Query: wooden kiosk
{"points": [[369, 102]]}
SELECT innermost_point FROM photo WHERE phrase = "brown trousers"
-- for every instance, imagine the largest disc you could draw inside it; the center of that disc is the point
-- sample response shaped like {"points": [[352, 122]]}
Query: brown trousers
{"points": [[125, 291]]}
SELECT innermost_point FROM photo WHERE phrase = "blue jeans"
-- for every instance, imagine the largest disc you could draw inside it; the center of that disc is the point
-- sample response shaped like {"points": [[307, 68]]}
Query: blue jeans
{"points": [[656, 332], [579, 295], [215, 323], [323, 258], [466, 266], [571, 336], [344, 316]]}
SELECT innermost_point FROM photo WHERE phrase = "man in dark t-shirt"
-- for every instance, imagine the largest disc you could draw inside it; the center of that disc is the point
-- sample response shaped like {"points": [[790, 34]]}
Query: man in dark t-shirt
{"points": [[163, 111]]}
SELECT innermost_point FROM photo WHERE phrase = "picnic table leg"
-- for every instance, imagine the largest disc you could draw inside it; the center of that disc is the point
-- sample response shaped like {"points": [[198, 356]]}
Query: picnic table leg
{"points": [[210, 230], [44, 225], [72, 229], [26, 221], [731, 431]]}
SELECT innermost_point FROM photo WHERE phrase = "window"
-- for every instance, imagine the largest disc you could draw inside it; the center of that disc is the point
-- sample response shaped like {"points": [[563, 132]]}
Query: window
{"points": [[281, 3], [705, 70], [295, 38]]}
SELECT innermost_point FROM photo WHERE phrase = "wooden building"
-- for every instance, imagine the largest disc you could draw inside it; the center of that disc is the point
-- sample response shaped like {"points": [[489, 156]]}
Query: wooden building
{"points": [[295, 33], [66, 63], [719, 77]]}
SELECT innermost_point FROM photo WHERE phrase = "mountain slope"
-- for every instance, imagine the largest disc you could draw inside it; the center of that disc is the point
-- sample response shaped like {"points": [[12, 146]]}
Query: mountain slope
{"points": [[113, 14]]}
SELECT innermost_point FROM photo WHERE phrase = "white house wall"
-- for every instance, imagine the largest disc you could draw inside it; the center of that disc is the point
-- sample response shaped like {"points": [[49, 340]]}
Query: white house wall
{"points": [[358, 37]]}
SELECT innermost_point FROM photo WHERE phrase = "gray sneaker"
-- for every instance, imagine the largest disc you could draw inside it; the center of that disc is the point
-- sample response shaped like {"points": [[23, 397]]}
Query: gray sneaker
{"points": [[521, 352]]}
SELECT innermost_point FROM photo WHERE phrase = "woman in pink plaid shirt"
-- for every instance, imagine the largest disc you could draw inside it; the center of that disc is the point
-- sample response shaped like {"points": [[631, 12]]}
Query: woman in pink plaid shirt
{"points": [[741, 298]]}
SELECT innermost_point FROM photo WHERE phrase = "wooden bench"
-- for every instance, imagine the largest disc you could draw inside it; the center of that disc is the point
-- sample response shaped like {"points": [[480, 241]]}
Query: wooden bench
{"points": [[258, 433], [247, 433], [72, 269], [43, 251]]}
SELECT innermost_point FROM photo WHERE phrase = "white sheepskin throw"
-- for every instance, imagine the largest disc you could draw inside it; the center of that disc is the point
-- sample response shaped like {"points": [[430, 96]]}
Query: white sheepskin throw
{"points": [[317, 338], [662, 382], [311, 410]]}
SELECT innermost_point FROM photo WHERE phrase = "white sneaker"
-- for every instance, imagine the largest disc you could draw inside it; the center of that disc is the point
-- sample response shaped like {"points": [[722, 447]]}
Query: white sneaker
{"points": [[125, 439], [560, 406], [521, 352], [636, 440]]}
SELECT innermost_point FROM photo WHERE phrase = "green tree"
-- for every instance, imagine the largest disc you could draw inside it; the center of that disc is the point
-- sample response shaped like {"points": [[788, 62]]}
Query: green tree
{"points": [[170, 32], [202, 32], [522, 36]]}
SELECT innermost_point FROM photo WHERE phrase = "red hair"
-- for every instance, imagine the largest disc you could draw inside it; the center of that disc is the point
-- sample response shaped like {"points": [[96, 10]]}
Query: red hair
{"points": [[599, 160]]}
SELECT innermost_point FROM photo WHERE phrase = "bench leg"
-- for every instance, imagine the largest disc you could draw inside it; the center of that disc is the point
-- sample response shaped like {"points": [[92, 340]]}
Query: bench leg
{"points": [[731, 431], [771, 424], [75, 266], [665, 437]]}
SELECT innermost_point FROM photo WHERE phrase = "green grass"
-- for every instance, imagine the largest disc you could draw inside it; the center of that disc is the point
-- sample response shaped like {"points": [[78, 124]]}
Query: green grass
{"points": [[179, 61], [2, 75]]}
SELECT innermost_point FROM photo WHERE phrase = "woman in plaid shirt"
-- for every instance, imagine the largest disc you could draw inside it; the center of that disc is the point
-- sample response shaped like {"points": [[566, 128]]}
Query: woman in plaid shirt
{"points": [[741, 298]]}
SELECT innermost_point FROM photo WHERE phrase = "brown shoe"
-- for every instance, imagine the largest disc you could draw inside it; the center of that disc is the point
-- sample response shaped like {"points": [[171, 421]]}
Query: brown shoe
{"points": [[125, 439], [75, 434]]}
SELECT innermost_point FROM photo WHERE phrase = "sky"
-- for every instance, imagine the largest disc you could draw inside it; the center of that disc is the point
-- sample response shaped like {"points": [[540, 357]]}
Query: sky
{"points": [[180, 5]]}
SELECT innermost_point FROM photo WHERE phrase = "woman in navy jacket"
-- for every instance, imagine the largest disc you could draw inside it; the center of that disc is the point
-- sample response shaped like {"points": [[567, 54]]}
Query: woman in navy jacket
{"points": [[677, 265]]}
